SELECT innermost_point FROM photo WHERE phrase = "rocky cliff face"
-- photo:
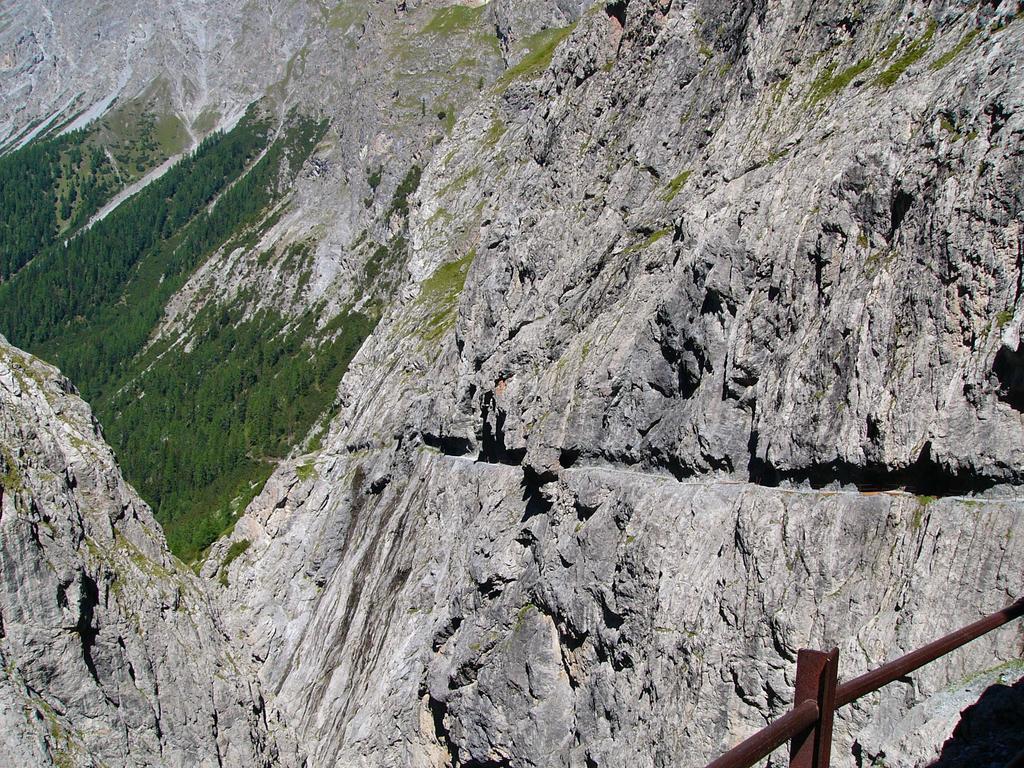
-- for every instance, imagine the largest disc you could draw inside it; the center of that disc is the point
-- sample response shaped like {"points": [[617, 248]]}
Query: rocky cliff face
{"points": [[704, 348], [110, 649], [444, 613], [715, 258]]}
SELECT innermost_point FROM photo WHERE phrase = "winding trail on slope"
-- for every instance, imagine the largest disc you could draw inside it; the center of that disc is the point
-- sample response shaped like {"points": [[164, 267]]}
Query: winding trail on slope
{"points": [[129, 191], [711, 481]]}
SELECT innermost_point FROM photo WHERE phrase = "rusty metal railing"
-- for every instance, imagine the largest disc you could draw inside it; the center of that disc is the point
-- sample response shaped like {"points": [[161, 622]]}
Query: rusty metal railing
{"points": [[808, 726]]}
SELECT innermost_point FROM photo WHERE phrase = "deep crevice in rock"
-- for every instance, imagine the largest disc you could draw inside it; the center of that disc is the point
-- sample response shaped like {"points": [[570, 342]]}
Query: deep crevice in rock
{"points": [[713, 303], [568, 456], [617, 10], [446, 632], [88, 599], [584, 511], [449, 445], [661, 458], [492, 439], [898, 210], [476, 763], [1008, 368], [686, 356], [492, 586], [858, 754], [438, 713], [216, 737], [611, 619], [536, 502]]}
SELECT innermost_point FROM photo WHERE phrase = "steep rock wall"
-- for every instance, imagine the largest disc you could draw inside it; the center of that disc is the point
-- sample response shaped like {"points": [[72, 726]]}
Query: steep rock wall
{"points": [[706, 349], [717, 307], [111, 652]]}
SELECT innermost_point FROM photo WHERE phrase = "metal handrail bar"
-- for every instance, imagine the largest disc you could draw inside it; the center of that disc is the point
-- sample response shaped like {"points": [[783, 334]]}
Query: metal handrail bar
{"points": [[806, 714], [771, 737], [893, 670]]}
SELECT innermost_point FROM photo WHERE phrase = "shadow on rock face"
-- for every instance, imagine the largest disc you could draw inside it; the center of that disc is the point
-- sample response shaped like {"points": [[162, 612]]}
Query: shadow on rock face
{"points": [[990, 732]]}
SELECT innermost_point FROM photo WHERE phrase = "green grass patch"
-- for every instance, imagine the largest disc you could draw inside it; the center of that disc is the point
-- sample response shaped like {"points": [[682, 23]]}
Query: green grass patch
{"points": [[206, 121], [236, 550], [780, 89], [455, 19], [447, 114], [442, 66], [11, 477], [829, 83], [674, 186], [1011, 667], [955, 51], [459, 182], [440, 293], [171, 136], [954, 133], [891, 47], [923, 502], [441, 214], [540, 48], [345, 15], [523, 613], [878, 260], [373, 177], [381, 278], [649, 241], [142, 133], [910, 56], [495, 131]]}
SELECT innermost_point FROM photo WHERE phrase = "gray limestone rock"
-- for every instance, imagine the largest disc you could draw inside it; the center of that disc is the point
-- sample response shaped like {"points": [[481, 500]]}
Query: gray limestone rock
{"points": [[711, 357]]}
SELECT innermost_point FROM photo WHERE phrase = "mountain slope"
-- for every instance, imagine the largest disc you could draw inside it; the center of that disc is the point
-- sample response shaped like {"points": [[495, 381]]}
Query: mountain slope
{"points": [[284, 232], [692, 338]]}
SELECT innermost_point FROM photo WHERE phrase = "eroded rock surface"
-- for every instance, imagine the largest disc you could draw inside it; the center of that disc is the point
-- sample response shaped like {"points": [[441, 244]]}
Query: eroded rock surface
{"points": [[708, 357]]}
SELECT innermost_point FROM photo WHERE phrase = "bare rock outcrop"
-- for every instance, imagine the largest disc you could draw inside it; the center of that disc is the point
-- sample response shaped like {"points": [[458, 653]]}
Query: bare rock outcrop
{"points": [[705, 347], [111, 652]]}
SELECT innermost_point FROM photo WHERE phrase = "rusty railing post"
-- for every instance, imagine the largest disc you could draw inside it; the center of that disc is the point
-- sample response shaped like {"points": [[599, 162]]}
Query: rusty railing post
{"points": [[816, 673]]}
